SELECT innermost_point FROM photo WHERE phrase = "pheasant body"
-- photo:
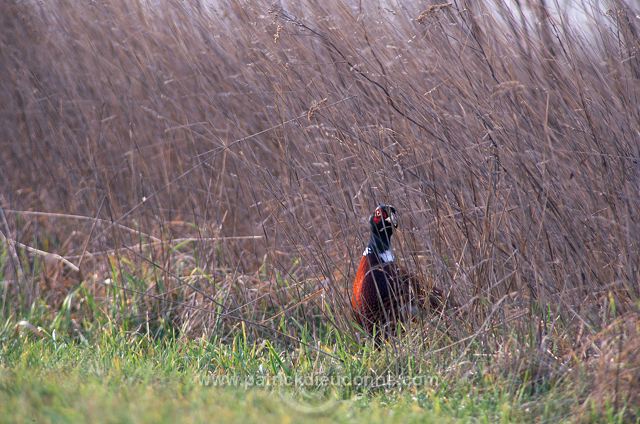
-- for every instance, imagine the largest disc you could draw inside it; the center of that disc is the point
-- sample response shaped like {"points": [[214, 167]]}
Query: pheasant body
{"points": [[377, 294], [384, 293]]}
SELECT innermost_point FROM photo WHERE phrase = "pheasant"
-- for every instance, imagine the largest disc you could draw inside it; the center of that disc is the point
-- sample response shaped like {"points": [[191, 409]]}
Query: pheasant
{"points": [[384, 293]]}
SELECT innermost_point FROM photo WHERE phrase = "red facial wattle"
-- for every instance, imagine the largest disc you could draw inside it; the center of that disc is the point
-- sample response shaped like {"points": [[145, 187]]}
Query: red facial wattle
{"points": [[379, 215]]}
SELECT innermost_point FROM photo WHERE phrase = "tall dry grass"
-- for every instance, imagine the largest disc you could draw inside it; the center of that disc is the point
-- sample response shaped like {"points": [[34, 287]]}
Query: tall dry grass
{"points": [[508, 139]]}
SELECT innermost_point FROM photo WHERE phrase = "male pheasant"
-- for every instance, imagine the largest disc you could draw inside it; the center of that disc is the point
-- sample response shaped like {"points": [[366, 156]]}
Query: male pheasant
{"points": [[383, 293]]}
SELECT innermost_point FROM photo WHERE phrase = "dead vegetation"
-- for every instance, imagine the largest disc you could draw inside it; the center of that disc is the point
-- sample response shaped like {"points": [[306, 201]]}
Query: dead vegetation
{"points": [[218, 163]]}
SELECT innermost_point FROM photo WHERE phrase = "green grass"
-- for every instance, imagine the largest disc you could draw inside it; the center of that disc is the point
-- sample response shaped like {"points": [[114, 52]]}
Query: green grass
{"points": [[120, 377], [96, 360]]}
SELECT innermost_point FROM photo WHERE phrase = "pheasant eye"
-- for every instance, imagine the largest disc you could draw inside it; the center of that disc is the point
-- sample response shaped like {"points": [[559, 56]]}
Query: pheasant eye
{"points": [[384, 215], [376, 216]]}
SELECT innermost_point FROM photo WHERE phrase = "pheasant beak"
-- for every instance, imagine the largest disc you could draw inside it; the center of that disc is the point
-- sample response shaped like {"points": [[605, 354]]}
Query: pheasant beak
{"points": [[392, 219]]}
